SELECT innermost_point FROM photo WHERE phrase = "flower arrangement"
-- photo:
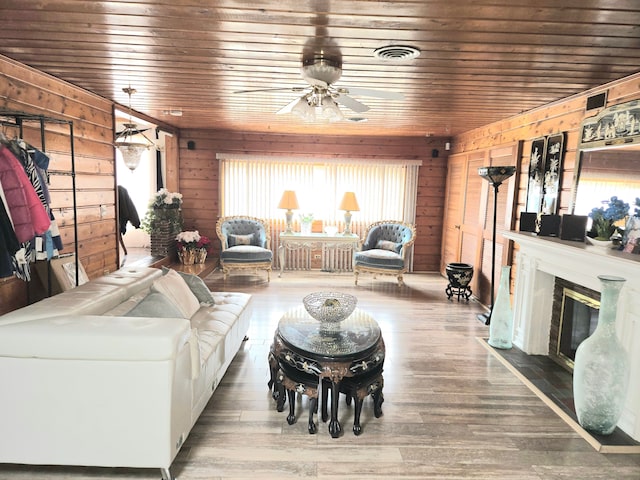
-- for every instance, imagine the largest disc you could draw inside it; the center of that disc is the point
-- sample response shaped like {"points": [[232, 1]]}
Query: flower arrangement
{"points": [[306, 217], [192, 240], [163, 198], [163, 206], [604, 219]]}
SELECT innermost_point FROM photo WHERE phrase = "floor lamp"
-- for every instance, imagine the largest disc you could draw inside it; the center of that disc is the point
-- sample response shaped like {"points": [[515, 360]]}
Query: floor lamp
{"points": [[495, 176]]}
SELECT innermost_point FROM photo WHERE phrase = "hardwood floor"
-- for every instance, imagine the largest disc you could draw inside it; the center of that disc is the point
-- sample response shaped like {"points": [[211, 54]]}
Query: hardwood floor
{"points": [[452, 410]]}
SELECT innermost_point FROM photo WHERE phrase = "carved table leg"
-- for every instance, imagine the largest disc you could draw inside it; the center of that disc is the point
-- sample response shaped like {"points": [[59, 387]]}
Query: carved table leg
{"points": [[335, 429], [357, 429], [313, 408], [325, 396], [378, 398], [278, 391], [291, 418]]}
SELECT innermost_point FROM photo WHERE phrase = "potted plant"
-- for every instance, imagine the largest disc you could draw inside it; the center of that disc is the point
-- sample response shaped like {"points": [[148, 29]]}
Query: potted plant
{"points": [[604, 220], [163, 220], [192, 247], [306, 221]]}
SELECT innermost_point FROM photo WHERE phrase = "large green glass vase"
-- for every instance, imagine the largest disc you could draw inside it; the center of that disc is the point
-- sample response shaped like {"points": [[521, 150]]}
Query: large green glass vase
{"points": [[601, 367], [501, 326]]}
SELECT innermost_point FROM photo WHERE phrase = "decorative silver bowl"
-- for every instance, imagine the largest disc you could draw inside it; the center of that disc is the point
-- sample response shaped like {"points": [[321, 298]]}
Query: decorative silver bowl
{"points": [[330, 307]]}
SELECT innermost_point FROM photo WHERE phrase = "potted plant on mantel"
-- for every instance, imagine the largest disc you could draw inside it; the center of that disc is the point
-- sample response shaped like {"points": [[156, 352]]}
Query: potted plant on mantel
{"points": [[603, 225], [163, 221]]}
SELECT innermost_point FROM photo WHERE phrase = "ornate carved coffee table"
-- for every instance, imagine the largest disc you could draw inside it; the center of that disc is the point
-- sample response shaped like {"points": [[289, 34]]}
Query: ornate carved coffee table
{"points": [[348, 358]]}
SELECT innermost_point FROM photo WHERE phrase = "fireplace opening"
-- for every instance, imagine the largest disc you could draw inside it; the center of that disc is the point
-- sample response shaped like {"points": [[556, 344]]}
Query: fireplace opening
{"points": [[574, 318]]}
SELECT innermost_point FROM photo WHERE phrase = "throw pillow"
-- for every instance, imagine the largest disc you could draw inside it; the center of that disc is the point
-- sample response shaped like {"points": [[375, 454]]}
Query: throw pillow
{"points": [[155, 305], [176, 289], [389, 245], [196, 285], [234, 240]]}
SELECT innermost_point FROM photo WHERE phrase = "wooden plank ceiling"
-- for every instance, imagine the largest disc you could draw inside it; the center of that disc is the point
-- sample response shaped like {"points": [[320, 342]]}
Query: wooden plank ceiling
{"points": [[480, 60]]}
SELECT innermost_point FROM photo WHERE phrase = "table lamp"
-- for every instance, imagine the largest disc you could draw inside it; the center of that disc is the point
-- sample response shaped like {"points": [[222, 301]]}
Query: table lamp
{"points": [[289, 201], [495, 176], [348, 204]]}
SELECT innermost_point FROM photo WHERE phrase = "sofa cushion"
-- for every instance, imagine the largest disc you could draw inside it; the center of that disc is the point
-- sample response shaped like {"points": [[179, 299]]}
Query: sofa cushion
{"points": [[379, 258], [176, 289], [155, 305], [196, 285], [246, 254], [128, 304]]}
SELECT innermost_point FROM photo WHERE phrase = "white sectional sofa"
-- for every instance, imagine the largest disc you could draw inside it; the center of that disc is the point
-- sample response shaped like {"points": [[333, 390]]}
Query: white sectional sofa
{"points": [[115, 372]]}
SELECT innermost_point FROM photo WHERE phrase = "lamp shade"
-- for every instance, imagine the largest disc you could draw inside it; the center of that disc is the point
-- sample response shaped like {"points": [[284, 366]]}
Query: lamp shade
{"points": [[132, 153], [349, 202], [496, 175], [289, 201]]}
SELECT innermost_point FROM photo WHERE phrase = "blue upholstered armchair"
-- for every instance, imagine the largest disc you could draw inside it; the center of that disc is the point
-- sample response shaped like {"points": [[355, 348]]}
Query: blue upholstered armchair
{"points": [[385, 249], [244, 244]]}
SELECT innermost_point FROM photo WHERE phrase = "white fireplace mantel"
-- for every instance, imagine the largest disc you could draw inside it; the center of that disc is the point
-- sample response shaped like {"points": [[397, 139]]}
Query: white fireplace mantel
{"points": [[539, 261]]}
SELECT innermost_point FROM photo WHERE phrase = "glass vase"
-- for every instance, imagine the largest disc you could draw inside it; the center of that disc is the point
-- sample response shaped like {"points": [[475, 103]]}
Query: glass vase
{"points": [[501, 326], [305, 228], [601, 367]]}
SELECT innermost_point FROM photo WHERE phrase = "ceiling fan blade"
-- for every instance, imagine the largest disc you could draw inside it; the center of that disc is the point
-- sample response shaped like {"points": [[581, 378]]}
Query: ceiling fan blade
{"points": [[351, 103], [283, 89], [366, 92], [287, 108]]}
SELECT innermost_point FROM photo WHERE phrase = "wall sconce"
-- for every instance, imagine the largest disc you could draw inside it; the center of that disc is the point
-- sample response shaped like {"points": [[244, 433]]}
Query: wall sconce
{"points": [[348, 204], [289, 201], [131, 147]]}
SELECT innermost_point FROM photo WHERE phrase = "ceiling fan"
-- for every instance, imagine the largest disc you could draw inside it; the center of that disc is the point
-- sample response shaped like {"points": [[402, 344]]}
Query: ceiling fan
{"points": [[320, 98]]}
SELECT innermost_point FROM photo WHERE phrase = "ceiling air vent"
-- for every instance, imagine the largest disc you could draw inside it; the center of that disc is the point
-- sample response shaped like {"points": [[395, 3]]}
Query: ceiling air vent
{"points": [[396, 52]]}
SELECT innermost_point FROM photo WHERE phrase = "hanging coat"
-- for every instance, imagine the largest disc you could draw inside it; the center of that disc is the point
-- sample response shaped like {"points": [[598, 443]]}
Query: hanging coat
{"points": [[23, 205]]}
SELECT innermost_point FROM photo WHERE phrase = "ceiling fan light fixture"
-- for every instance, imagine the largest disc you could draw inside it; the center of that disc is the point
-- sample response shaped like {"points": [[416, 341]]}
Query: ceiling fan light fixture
{"points": [[328, 110], [303, 109], [396, 52]]}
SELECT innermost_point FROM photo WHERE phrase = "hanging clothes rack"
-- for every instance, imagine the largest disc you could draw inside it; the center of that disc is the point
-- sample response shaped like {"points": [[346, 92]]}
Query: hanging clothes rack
{"points": [[18, 120]]}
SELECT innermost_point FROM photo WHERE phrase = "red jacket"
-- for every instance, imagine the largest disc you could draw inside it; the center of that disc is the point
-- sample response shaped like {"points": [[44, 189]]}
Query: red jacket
{"points": [[23, 205]]}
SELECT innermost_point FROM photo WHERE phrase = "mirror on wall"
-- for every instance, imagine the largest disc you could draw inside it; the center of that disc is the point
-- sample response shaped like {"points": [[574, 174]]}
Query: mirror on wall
{"points": [[608, 159], [604, 173]]}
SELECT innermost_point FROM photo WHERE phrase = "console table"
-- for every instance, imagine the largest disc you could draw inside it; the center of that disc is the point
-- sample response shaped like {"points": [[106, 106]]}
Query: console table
{"points": [[349, 359], [331, 246]]}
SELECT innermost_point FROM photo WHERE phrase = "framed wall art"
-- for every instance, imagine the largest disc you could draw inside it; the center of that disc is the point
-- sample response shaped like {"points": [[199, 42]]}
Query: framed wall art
{"points": [[536, 175], [545, 168], [552, 171]]}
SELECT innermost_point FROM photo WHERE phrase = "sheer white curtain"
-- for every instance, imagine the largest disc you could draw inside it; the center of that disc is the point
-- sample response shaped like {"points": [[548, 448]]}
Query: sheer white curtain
{"points": [[253, 185]]}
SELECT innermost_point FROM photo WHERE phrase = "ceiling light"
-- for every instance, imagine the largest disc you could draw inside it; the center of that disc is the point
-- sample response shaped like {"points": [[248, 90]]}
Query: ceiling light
{"points": [[128, 141], [318, 107], [396, 52]]}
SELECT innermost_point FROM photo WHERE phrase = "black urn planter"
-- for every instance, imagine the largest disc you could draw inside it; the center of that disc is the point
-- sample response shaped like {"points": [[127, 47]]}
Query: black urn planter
{"points": [[459, 275]]}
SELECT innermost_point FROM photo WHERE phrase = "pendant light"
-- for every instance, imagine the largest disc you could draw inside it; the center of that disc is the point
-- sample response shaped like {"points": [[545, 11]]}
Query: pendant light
{"points": [[128, 140]]}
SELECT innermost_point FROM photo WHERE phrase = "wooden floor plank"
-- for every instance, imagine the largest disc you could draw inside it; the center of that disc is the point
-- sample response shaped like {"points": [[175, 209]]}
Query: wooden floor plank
{"points": [[452, 410]]}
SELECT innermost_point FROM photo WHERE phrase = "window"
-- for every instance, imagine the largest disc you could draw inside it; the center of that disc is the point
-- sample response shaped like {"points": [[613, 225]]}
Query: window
{"points": [[253, 186]]}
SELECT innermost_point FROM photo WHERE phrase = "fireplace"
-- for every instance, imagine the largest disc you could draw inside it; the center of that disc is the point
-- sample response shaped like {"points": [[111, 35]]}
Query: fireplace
{"points": [[574, 317], [544, 264]]}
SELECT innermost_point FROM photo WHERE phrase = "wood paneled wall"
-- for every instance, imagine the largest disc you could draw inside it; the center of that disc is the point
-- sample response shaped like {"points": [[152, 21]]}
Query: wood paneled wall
{"points": [[27, 90], [562, 116], [199, 174]]}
